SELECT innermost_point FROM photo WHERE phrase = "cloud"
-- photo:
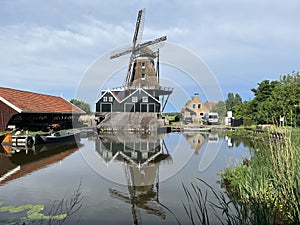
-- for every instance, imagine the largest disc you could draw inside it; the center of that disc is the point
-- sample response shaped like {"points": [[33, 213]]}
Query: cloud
{"points": [[48, 46]]}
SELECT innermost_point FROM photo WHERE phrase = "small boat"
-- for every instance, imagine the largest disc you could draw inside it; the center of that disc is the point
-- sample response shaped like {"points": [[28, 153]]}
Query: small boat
{"points": [[55, 137]]}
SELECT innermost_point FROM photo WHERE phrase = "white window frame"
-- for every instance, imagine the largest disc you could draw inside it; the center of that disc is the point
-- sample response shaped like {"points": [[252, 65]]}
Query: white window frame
{"points": [[101, 105], [150, 104], [105, 99], [134, 99], [145, 99], [132, 104], [110, 99]]}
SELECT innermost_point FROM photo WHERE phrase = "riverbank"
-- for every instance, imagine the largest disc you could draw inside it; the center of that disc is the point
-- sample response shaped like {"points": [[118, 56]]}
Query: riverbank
{"points": [[268, 184]]}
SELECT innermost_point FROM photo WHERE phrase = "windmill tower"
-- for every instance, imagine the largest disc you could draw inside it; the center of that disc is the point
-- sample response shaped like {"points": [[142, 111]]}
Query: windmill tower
{"points": [[141, 91]]}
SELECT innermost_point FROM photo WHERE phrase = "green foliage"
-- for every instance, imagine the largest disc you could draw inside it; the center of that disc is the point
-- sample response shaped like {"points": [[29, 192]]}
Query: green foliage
{"points": [[33, 212], [220, 108], [58, 214], [233, 101], [271, 179], [272, 99], [285, 99], [82, 105]]}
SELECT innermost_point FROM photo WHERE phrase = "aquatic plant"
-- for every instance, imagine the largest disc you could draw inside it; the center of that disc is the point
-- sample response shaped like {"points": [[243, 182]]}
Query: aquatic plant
{"points": [[58, 213]]}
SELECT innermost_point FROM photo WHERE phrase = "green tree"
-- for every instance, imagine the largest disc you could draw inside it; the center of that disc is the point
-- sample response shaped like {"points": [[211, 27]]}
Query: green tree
{"points": [[230, 101], [237, 100], [82, 105], [234, 103], [220, 108], [285, 99], [260, 105]]}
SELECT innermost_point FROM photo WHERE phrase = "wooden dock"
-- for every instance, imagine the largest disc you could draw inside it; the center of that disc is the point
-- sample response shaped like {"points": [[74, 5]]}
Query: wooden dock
{"points": [[181, 129]]}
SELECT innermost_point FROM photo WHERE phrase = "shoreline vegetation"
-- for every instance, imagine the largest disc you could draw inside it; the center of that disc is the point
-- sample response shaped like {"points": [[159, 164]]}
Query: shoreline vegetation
{"points": [[262, 190], [270, 179]]}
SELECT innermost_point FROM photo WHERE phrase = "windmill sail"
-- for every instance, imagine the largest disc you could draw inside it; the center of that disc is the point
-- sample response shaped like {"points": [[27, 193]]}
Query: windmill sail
{"points": [[138, 47]]}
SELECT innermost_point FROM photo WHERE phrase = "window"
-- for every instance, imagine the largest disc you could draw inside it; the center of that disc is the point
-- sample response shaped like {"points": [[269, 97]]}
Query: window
{"points": [[145, 99], [151, 108], [144, 108], [199, 106], [194, 105], [134, 99], [143, 65], [129, 107], [143, 76], [106, 107], [111, 99], [105, 99]]}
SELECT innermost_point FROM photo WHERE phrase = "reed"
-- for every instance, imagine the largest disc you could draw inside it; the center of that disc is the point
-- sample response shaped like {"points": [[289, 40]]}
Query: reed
{"points": [[264, 190], [271, 180]]}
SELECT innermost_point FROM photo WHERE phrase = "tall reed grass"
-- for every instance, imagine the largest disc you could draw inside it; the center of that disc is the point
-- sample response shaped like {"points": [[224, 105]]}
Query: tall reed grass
{"points": [[264, 190], [272, 179]]}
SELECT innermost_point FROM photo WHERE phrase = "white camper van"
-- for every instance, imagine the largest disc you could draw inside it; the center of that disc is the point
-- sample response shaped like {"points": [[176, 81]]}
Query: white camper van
{"points": [[211, 118]]}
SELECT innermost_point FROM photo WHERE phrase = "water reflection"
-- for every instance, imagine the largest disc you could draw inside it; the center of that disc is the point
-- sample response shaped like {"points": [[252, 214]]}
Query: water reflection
{"points": [[18, 162], [196, 140], [141, 157]]}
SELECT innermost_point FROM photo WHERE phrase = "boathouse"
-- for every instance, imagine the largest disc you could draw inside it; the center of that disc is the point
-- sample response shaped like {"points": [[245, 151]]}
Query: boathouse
{"points": [[33, 111]]}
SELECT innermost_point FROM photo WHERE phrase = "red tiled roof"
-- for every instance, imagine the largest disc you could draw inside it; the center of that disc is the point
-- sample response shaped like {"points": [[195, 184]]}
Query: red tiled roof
{"points": [[25, 101], [211, 104]]}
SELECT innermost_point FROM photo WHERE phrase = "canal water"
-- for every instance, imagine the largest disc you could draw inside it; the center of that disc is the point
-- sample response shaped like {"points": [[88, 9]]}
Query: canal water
{"points": [[118, 179]]}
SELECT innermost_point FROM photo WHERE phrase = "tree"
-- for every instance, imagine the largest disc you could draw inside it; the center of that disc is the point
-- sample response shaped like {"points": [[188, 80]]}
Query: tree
{"points": [[220, 108], [260, 105], [285, 98], [82, 105], [230, 101], [233, 102], [237, 100]]}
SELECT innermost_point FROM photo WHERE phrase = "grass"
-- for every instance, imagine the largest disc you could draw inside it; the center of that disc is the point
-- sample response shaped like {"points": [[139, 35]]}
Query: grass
{"points": [[271, 179], [264, 190]]}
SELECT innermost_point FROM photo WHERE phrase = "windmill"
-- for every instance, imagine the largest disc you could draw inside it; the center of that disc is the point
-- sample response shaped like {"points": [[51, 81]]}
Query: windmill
{"points": [[138, 48], [141, 99]]}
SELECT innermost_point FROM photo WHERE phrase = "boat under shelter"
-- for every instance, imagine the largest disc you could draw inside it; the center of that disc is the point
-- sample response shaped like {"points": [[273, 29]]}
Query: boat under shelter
{"points": [[33, 111]]}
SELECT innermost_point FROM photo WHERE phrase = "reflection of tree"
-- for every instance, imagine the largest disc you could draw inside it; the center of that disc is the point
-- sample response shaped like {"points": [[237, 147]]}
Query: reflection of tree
{"points": [[141, 158]]}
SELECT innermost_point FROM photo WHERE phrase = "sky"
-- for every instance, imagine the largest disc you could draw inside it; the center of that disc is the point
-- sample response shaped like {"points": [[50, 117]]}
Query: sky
{"points": [[49, 46]]}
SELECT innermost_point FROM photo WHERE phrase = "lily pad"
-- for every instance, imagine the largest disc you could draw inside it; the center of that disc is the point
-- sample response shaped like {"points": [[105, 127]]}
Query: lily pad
{"points": [[34, 212]]}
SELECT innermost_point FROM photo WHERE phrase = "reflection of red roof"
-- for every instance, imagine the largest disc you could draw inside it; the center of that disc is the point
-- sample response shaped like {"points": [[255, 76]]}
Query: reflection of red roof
{"points": [[25, 101]]}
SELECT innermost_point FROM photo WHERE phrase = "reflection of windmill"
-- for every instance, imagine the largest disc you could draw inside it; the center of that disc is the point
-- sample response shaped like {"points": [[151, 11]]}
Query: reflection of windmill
{"points": [[142, 158], [141, 91]]}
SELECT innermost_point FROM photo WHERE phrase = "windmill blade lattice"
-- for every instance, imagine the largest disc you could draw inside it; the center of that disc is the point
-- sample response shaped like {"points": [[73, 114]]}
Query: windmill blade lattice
{"points": [[137, 46]]}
